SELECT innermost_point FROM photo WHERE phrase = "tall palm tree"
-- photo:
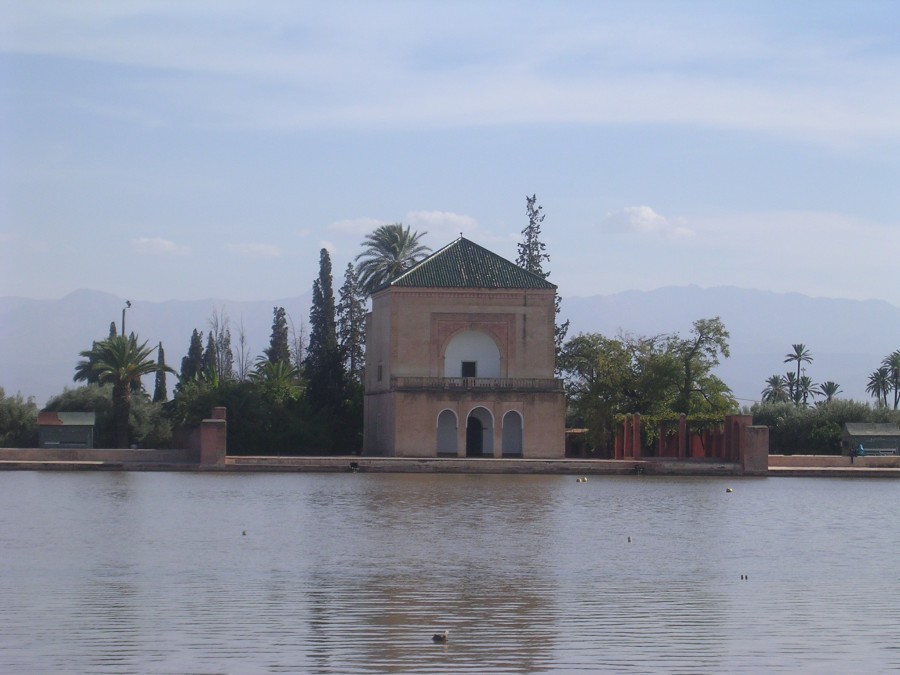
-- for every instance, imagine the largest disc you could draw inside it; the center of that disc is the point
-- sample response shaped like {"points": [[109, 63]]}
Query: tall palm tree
{"points": [[829, 390], [121, 361], [800, 355], [775, 391], [790, 381], [892, 363], [388, 252], [879, 385]]}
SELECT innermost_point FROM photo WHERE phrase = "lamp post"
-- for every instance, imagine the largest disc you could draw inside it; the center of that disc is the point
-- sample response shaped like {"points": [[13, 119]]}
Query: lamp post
{"points": [[127, 306]]}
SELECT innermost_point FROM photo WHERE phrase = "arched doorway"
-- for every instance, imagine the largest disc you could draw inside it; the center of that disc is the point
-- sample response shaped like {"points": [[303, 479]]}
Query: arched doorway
{"points": [[512, 434], [479, 433], [446, 433]]}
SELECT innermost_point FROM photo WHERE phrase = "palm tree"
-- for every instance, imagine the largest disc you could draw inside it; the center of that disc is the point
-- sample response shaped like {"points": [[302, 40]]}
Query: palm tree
{"points": [[829, 390], [800, 355], [389, 251], [790, 381], [775, 391], [806, 388], [879, 385], [121, 361], [892, 363]]}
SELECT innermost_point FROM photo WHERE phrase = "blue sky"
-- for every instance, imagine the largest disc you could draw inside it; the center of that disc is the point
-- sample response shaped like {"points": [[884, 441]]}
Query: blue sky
{"points": [[186, 150]]}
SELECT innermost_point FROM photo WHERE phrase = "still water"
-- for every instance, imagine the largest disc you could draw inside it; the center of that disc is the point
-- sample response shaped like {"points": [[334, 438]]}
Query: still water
{"points": [[106, 572]]}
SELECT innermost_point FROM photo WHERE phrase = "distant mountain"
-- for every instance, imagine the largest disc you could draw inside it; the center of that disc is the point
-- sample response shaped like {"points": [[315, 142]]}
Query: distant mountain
{"points": [[40, 339]]}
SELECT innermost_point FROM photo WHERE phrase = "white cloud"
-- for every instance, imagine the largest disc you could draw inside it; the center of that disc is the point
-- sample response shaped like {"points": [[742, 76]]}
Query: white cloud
{"points": [[645, 220], [255, 250], [328, 246], [159, 246]]}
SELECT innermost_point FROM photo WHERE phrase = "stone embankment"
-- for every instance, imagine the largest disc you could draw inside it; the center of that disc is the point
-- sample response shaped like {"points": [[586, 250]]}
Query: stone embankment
{"points": [[189, 460]]}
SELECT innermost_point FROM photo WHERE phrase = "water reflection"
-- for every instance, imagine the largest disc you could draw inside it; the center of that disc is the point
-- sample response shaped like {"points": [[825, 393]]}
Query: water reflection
{"points": [[134, 573]]}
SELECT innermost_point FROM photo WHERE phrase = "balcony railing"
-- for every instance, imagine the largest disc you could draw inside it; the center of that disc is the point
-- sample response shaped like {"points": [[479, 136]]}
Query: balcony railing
{"points": [[477, 383]]}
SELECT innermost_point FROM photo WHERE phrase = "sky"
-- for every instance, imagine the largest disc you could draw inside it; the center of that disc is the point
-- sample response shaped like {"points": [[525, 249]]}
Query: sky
{"points": [[161, 150]]}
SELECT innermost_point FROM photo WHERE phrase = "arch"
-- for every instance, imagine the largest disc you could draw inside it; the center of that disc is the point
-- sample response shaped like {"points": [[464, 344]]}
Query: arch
{"points": [[472, 347], [446, 432], [479, 433], [512, 434]]}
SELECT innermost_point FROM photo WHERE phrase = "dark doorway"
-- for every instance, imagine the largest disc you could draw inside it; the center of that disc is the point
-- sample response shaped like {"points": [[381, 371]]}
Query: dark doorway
{"points": [[474, 437]]}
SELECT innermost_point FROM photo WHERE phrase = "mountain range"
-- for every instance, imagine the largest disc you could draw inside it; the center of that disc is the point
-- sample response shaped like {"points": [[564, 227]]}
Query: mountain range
{"points": [[40, 340]]}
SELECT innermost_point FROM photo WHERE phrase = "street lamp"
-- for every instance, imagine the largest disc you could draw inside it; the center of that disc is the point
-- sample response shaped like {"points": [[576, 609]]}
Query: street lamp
{"points": [[127, 305]]}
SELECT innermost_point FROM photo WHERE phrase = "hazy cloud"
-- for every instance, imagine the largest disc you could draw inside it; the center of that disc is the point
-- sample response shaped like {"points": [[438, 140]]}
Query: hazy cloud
{"points": [[255, 250], [645, 220], [159, 246], [328, 246]]}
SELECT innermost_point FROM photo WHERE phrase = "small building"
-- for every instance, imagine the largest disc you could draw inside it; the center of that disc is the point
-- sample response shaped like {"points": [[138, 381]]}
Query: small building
{"points": [[460, 358], [876, 439], [66, 429]]}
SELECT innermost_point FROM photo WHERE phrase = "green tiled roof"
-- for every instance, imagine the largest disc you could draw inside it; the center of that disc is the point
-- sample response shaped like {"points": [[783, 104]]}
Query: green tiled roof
{"points": [[465, 264]]}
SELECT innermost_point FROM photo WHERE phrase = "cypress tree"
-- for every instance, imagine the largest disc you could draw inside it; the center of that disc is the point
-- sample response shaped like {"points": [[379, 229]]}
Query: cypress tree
{"points": [[192, 364], [351, 324], [279, 350], [160, 391], [210, 363], [324, 370]]}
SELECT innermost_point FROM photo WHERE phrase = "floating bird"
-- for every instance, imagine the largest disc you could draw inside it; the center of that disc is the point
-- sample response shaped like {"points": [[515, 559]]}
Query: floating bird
{"points": [[629, 540], [583, 479], [244, 533], [728, 490], [441, 637]]}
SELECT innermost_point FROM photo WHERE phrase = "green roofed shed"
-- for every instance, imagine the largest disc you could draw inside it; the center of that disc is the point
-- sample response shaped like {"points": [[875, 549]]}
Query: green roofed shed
{"points": [[66, 429]]}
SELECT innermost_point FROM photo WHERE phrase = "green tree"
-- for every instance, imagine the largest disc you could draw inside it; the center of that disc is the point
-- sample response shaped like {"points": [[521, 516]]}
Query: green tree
{"points": [[192, 364], [120, 361], [806, 389], [532, 254], [801, 355], [160, 390], [828, 390], [879, 385], [775, 391], [698, 355], [351, 324], [279, 350], [892, 363], [220, 332], [322, 366], [210, 368], [18, 421], [387, 253]]}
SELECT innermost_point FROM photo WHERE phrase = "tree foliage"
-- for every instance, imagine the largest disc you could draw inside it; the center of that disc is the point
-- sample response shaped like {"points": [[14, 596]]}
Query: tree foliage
{"points": [[323, 367], [18, 421], [351, 324], [387, 253], [192, 363], [532, 254], [121, 362], [160, 390], [658, 376], [279, 349]]}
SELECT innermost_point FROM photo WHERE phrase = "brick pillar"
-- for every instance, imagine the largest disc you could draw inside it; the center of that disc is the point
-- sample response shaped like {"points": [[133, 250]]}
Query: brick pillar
{"points": [[682, 436], [618, 447], [627, 448], [498, 440], [755, 450], [213, 438], [636, 436]]}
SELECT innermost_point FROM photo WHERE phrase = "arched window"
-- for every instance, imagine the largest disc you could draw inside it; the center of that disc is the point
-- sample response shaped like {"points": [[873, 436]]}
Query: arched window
{"points": [[472, 353]]}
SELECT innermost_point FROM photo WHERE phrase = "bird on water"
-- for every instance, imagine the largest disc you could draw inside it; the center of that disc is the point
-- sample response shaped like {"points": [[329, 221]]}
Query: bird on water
{"points": [[441, 637]]}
